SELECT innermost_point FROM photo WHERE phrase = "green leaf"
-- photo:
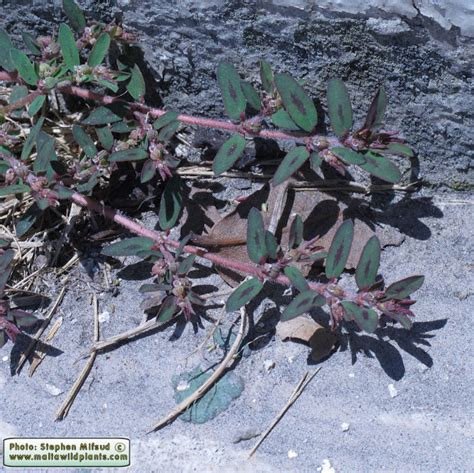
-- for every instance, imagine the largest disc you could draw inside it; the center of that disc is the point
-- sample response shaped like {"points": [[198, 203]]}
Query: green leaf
{"points": [[232, 95], [36, 105], [88, 186], [167, 310], [31, 44], [5, 47], [45, 152], [14, 189], [24, 66], [228, 154], [300, 107], [31, 140], [148, 171], [129, 247], [74, 15], [165, 119], [256, 247], [68, 46], [186, 265], [282, 119], [376, 110], [295, 158], [266, 76], [251, 95], [171, 203], [105, 137], [296, 232], [243, 294], [214, 401], [339, 249], [349, 156], [297, 279], [167, 132], [403, 288], [27, 220], [402, 319], [271, 245], [400, 150], [84, 141], [99, 51], [315, 161], [18, 93], [121, 127], [368, 265], [339, 107], [381, 167], [136, 86], [108, 84], [364, 317], [302, 303], [131, 154]]}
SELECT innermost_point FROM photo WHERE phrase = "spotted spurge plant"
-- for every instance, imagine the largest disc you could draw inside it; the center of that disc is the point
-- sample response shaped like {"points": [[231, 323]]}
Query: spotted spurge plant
{"points": [[119, 135]]}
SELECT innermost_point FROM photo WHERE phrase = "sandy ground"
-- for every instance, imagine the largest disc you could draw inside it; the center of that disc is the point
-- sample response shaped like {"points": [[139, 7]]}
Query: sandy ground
{"points": [[406, 396]]}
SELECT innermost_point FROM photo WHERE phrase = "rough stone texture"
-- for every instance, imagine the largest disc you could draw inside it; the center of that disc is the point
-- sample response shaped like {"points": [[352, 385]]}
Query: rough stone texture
{"points": [[412, 47]]}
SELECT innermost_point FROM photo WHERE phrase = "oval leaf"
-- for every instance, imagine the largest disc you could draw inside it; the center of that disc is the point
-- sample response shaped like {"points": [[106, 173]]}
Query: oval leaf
{"points": [[251, 95], [349, 156], [165, 119], [99, 50], [339, 107], [167, 132], [186, 265], [136, 86], [232, 95], [243, 294], [282, 119], [129, 247], [171, 203], [45, 152], [31, 140], [296, 278], [68, 46], [400, 150], [84, 141], [300, 107], [30, 43], [295, 158], [302, 303], [74, 15], [5, 47], [296, 232], [381, 167], [105, 137], [148, 171], [271, 245], [256, 247], [403, 288], [228, 154], [132, 154], [167, 310], [266, 76], [36, 105], [14, 189], [24, 66], [364, 317], [101, 116], [368, 266], [376, 110], [315, 161], [27, 220], [339, 250]]}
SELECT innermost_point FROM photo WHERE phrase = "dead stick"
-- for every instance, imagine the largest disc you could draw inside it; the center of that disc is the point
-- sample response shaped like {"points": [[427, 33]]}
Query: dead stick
{"points": [[181, 407], [294, 396], [63, 410], [40, 331]]}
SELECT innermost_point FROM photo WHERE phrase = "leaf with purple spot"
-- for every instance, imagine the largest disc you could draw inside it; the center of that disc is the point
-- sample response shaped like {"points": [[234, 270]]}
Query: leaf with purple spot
{"points": [[302, 303], [295, 158], [366, 318], [368, 266], [243, 294], [339, 249], [339, 107], [403, 288]]}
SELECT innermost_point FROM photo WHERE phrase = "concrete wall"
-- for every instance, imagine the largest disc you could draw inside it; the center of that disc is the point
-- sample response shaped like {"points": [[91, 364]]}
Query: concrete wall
{"points": [[422, 50]]}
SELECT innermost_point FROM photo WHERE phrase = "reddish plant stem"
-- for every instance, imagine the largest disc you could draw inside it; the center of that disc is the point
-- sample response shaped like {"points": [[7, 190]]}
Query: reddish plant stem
{"points": [[138, 229], [317, 141]]}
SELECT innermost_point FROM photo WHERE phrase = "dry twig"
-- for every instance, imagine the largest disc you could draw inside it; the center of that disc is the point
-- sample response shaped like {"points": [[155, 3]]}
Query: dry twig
{"points": [[182, 406]]}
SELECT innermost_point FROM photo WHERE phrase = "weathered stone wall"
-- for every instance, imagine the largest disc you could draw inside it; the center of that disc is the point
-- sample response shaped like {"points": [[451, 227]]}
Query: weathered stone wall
{"points": [[422, 50]]}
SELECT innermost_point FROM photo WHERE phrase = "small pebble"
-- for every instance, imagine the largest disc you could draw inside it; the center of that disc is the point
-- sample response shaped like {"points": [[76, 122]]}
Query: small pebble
{"points": [[269, 364], [291, 359], [104, 316], [392, 390], [52, 389], [5, 358], [351, 375], [182, 386], [292, 454], [344, 426], [326, 467]]}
